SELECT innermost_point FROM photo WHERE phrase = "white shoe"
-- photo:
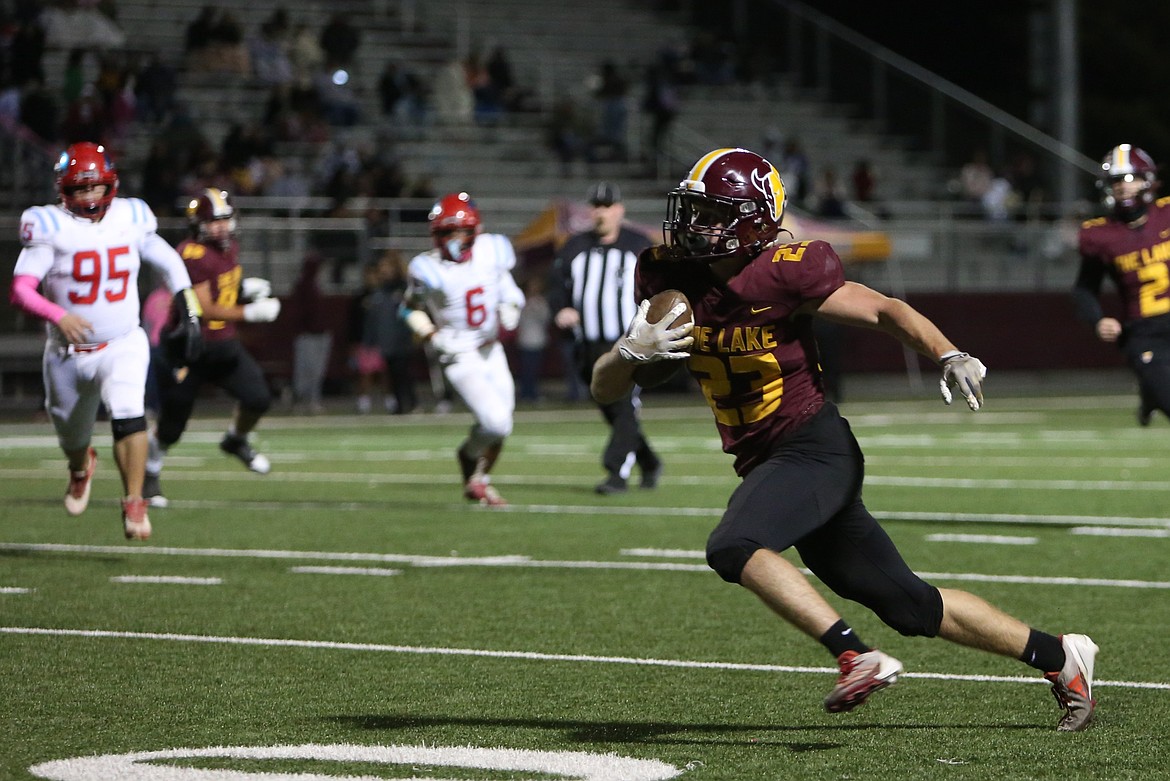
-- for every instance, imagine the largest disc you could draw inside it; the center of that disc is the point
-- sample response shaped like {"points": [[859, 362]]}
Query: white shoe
{"points": [[77, 493], [861, 676], [1073, 685]]}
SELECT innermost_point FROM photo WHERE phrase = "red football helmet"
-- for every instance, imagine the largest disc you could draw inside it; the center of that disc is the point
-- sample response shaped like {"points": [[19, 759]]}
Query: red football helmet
{"points": [[210, 206], [454, 212], [731, 203], [1123, 165], [82, 165]]}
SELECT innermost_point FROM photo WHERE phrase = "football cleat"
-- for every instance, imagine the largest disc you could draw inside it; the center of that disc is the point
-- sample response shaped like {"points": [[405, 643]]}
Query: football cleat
{"points": [[480, 490], [152, 491], [650, 477], [235, 445], [1144, 414], [77, 494], [1073, 684], [466, 464], [861, 676], [134, 520], [614, 484]]}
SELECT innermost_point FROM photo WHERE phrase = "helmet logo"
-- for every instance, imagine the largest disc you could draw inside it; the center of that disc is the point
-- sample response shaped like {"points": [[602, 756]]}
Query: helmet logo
{"points": [[770, 185]]}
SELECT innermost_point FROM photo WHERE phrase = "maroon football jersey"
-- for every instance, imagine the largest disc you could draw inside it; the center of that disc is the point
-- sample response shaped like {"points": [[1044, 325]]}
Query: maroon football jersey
{"points": [[208, 263], [1134, 258], [757, 366]]}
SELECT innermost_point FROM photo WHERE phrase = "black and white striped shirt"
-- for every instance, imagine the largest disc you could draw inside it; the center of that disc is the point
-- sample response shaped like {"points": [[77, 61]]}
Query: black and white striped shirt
{"points": [[598, 281]]}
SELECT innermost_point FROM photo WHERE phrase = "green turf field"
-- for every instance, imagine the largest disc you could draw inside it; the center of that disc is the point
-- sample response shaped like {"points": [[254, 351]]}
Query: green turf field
{"points": [[350, 616]]}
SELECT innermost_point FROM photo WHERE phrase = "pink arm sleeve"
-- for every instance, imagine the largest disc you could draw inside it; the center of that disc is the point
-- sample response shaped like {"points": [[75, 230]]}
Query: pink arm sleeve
{"points": [[25, 296]]}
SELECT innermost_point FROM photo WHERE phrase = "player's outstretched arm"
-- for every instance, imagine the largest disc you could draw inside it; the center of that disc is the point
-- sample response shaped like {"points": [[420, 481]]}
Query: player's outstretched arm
{"points": [[855, 304]]}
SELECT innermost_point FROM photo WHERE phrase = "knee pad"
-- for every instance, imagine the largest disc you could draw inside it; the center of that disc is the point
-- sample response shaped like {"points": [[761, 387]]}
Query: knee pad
{"points": [[919, 615], [124, 427], [728, 560]]}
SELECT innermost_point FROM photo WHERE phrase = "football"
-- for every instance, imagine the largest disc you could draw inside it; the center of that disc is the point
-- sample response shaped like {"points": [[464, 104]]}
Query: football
{"points": [[659, 372]]}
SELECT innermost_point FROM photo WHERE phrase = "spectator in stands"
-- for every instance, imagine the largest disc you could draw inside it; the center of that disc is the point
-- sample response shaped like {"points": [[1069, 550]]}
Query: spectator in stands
{"points": [[268, 52], [402, 93], [452, 99], [339, 41], [38, 111], [339, 102], [532, 335], [974, 180], [155, 90], [385, 328], [569, 134], [864, 181], [305, 53], [795, 170], [85, 118], [503, 83], [160, 179], [313, 341], [611, 92], [829, 196], [26, 50], [68, 26], [365, 359], [661, 103], [197, 37], [75, 75]]}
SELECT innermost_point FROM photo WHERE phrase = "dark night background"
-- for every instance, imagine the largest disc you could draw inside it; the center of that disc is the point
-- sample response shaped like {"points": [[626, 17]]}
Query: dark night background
{"points": [[984, 48]]}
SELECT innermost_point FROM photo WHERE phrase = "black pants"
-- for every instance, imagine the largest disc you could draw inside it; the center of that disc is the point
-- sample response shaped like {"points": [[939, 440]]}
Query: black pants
{"points": [[807, 495], [225, 364], [1147, 351], [627, 444]]}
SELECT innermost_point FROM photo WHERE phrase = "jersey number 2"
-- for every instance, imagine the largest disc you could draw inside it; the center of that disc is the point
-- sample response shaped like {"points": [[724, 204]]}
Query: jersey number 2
{"points": [[87, 269], [1155, 282], [762, 373]]}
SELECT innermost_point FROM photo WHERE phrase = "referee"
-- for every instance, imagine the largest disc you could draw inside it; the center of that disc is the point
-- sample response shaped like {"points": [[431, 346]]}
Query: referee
{"points": [[591, 292]]}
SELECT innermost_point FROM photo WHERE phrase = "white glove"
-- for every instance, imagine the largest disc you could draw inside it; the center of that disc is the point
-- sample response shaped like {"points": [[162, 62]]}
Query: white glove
{"points": [[966, 374], [509, 316], [419, 322], [646, 342], [263, 311], [255, 289], [441, 343]]}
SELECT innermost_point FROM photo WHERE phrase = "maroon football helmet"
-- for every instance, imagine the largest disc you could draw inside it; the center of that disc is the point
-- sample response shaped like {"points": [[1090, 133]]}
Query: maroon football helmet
{"points": [[731, 203], [1124, 164], [82, 165], [209, 206], [454, 212]]}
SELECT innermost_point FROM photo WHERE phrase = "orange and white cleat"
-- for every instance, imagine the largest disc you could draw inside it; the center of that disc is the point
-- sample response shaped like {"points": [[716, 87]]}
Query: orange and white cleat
{"points": [[77, 494], [861, 676], [134, 520], [1073, 684]]}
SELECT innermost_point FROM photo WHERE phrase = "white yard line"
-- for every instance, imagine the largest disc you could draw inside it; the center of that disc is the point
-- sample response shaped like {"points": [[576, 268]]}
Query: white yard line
{"points": [[524, 562], [272, 642]]}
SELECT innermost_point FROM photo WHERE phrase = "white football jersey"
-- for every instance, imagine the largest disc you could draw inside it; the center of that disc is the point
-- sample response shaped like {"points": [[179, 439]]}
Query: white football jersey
{"points": [[91, 268], [463, 298]]}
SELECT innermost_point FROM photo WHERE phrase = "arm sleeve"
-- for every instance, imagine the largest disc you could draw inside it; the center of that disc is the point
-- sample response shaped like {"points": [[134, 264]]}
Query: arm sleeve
{"points": [[25, 297], [1087, 290], [163, 256]]}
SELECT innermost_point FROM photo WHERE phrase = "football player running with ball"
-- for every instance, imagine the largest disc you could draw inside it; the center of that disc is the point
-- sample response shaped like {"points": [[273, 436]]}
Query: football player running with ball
{"points": [[752, 351], [84, 253], [1131, 245], [227, 298], [459, 295]]}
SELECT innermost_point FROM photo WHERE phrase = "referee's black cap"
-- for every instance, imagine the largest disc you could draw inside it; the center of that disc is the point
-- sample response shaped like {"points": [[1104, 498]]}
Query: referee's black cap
{"points": [[604, 194]]}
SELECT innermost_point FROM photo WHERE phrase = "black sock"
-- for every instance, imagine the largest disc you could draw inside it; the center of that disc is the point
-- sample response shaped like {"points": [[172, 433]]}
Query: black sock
{"points": [[1045, 652], [840, 638]]}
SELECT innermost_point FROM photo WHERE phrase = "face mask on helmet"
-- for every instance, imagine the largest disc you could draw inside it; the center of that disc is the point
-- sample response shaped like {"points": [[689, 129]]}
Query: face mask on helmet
{"points": [[731, 204], [82, 167], [212, 217], [1128, 182], [454, 225]]}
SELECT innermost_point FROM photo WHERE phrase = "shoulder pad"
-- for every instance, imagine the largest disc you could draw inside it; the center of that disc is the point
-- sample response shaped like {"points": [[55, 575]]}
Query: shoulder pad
{"points": [[39, 224], [1094, 222], [1163, 201], [193, 251]]}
